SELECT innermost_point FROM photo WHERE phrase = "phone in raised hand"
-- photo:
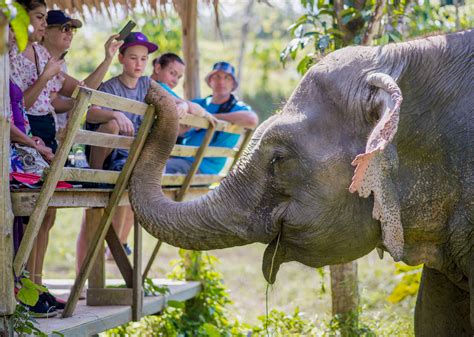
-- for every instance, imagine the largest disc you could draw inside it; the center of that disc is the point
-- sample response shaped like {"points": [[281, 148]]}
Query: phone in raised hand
{"points": [[126, 30], [63, 55]]}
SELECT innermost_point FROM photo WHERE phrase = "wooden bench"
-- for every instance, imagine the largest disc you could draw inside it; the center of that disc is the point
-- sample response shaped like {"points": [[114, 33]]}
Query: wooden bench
{"points": [[102, 203]]}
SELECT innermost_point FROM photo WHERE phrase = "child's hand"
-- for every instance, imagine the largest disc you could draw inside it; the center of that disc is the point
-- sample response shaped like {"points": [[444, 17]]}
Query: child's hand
{"points": [[125, 125], [182, 109], [111, 46], [197, 110]]}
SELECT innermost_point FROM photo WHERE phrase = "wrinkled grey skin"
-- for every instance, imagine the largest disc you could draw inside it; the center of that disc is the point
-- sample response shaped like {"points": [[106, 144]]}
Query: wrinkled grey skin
{"points": [[293, 179]]}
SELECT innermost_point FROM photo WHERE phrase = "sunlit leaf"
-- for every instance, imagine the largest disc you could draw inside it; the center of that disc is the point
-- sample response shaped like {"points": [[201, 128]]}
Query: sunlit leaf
{"points": [[28, 296], [20, 25]]}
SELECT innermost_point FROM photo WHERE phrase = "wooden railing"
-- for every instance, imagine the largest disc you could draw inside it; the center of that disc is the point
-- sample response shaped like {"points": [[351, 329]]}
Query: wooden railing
{"points": [[102, 203]]}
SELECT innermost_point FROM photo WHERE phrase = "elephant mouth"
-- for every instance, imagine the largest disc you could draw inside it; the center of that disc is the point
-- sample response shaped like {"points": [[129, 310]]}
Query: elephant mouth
{"points": [[273, 257]]}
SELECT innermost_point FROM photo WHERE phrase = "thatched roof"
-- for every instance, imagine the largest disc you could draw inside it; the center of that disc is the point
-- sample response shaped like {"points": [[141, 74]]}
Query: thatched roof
{"points": [[105, 7]]}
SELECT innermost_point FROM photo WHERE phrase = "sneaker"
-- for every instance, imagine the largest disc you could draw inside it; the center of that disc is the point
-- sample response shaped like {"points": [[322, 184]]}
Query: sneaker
{"points": [[108, 254], [127, 249], [42, 309], [54, 301]]}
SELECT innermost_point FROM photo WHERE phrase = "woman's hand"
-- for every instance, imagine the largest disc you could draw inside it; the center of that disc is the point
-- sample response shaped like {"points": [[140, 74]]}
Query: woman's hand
{"points": [[111, 46], [38, 140], [46, 152], [52, 68]]}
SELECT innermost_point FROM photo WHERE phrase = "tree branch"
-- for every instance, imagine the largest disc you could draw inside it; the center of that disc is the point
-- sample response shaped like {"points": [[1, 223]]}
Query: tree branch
{"points": [[374, 23]]}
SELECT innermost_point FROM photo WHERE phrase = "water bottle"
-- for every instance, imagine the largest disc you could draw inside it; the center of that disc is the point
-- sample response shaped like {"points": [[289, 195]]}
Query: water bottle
{"points": [[80, 160]]}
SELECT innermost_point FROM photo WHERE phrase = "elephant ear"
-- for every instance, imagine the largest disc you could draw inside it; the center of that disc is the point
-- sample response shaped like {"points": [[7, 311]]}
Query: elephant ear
{"points": [[373, 168]]}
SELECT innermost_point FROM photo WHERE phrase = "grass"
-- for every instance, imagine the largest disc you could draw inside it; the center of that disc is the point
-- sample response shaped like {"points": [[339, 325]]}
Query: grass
{"points": [[296, 285]]}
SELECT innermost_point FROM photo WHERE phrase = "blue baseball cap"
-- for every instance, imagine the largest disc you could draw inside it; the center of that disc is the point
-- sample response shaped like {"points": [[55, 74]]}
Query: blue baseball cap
{"points": [[225, 67], [138, 39], [57, 17]]}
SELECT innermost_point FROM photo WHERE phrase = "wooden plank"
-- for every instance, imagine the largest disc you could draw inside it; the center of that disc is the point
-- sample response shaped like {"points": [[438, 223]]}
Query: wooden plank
{"points": [[103, 139], [120, 256], [89, 175], [8, 303], [211, 151], [137, 306], [197, 161], [109, 211], [202, 123], [89, 320], [109, 296], [24, 201], [198, 179], [152, 259], [51, 180], [97, 275], [110, 177], [118, 103]]}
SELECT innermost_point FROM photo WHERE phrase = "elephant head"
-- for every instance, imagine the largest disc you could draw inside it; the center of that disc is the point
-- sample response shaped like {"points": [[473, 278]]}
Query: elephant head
{"points": [[291, 189]]}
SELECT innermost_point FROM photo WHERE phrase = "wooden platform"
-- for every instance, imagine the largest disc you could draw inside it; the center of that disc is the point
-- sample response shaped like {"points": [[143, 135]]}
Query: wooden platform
{"points": [[88, 320]]}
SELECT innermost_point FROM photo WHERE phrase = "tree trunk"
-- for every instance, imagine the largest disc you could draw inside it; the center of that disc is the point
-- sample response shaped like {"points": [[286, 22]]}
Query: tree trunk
{"points": [[7, 302], [345, 294], [243, 41], [188, 12]]}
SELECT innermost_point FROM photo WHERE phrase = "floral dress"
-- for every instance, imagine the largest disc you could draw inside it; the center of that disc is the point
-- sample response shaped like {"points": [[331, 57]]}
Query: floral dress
{"points": [[25, 73]]}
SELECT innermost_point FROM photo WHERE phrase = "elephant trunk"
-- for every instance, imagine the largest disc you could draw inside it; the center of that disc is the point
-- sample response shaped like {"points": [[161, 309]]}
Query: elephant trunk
{"points": [[216, 220]]}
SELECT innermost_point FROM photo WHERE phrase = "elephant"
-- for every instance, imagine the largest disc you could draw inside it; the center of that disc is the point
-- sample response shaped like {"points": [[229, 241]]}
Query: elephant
{"points": [[373, 149]]}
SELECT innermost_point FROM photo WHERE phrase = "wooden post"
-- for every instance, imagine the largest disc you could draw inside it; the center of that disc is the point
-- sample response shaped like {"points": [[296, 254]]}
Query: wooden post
{"points": [[7, 302], [345, 294], [188, 12], [137, 307], [97, 275]]}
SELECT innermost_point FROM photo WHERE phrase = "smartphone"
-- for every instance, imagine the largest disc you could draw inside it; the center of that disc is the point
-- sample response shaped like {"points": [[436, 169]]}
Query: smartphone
{"points": [[63, 55], [126, 30]]}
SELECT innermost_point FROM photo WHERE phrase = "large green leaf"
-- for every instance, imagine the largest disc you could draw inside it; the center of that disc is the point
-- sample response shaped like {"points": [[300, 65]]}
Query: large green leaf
{"points": [[20, 25], [28, 296]]}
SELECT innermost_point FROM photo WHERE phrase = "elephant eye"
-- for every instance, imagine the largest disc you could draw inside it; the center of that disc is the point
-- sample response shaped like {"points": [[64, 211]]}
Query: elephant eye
{"points": [[276, 159]]}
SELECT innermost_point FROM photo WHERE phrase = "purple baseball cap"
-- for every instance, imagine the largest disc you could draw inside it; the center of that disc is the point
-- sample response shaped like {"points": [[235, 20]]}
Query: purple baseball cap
{"points": [[225, 67], [138, 39]]}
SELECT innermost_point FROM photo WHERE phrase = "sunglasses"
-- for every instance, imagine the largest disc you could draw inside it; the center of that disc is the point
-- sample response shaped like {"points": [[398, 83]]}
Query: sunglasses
{"points": [[65, 28]]}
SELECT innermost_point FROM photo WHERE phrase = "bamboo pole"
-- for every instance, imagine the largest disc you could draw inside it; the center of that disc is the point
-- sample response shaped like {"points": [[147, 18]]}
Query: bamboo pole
{"points": [[7, 302]]}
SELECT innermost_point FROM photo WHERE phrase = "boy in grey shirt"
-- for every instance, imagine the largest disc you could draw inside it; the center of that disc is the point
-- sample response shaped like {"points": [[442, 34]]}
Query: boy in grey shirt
{"points": [[133, 55]]}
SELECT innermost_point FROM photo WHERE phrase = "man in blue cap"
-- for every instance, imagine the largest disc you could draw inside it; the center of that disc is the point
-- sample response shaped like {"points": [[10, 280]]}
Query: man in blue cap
{"points": [[223, 105]]}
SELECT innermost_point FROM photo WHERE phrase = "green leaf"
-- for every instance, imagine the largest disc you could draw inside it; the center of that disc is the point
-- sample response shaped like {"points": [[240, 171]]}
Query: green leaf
{"points": [[304, 65], [28, 296], [20, 26], [211, 330], [384, 39], [395, 36], [176, 304]]}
